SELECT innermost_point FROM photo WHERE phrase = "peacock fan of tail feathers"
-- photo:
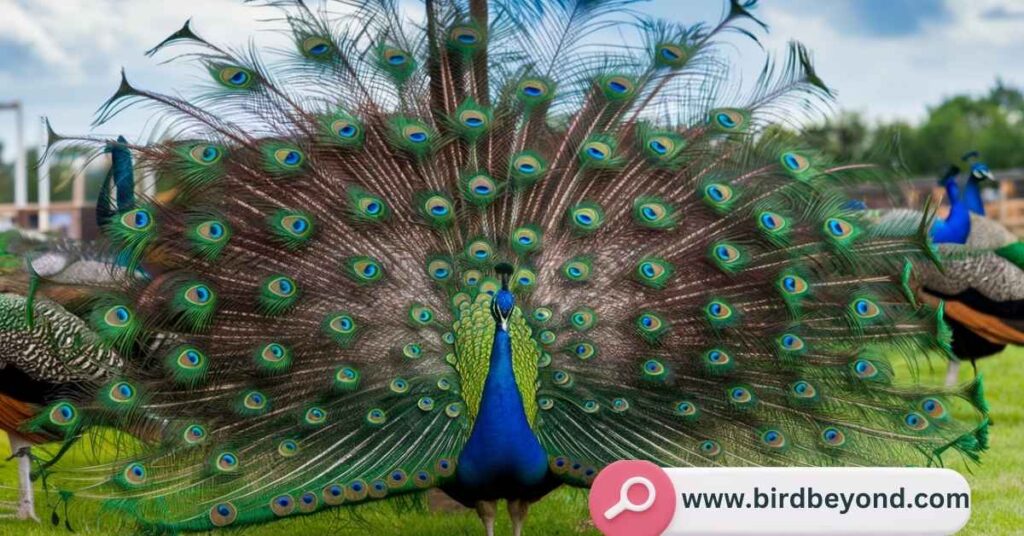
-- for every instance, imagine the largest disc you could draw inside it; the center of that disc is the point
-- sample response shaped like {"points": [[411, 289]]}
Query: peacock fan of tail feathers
{"points": [[478, 252]]}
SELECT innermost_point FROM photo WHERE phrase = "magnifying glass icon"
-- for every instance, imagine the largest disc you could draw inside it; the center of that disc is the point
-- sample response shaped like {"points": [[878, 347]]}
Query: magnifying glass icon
{"points": [[624, 502]]}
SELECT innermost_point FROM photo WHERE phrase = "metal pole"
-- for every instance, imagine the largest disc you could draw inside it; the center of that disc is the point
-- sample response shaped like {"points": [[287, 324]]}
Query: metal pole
{"points": [[20, 169], [44, 179]]}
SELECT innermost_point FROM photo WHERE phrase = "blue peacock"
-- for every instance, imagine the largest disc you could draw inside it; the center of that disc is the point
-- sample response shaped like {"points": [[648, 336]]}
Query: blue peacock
{"points": [[481, 254]]}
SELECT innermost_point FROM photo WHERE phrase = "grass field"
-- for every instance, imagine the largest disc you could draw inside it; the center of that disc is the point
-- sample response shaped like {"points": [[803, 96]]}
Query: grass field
{"points": [[997, 484]]}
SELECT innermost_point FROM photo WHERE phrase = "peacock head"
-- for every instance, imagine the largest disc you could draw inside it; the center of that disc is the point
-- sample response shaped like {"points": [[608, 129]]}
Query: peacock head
{"points": [[981, 173], [504, 301]]}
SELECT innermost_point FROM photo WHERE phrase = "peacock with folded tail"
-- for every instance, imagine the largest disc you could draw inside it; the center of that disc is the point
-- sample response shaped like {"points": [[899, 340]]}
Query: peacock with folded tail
{"points": [[481, 253]]}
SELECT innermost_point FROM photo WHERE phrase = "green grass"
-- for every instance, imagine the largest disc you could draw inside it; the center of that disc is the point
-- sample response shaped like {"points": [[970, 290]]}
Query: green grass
{"points": [[997, 484]]}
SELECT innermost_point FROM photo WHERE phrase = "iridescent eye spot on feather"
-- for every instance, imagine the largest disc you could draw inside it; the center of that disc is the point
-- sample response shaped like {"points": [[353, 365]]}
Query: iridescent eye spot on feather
{"points": [[278, 293], [118, 316], [437, 209], [864, 369], [865, 309], [474, 119], [346, 129], [527, 168], [545, 403], [206, 154], [583, 319], [315, 416], [832, 437], [472, 278], [670, 55], [282, 505], [187, 364], [420, 315], [356, 490], [378, 489], [727, 257], [740, 395], [718, 195], [542, 314], [479, 251], [584, 351], [652, 213], [524, 280], [934, 408], [534, 91], [773, 438], [273, 357], [346, 379], [416, 134], [686, 409], [709, 448], [333, 494], [399, 386], [365, 269], [340, 327], [838, 229], [479, 189], [317, 48], [795, 164], [445, 467], [547, 337], [771, 223], [63, 415], [226, 462], [376, 417], [915, 422], [453, 410], [293, 228], [288, 448], [290, 158], [793, 285], [617, 87], [194, 434], [308, 502], [140, 220], [729, 120], [620, 405], [526, 239], [577, 269], [199, 294], [212, 231], [803, 390], [395, 56], [586, 217], [440, 269], [490, 286], [223, 514], [426, 404], [598, 152], [234, 76], [397, 478], [718, 313], [561, 378], [718, 361], [654, 369], [789, 343], [254, 401], [122, 393], [651, 325], [465, 37], [654, 272], [412, 351]]}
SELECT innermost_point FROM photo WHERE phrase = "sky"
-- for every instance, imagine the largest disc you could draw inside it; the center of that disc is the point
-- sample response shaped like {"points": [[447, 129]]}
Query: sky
{"points": [[889, 59]]}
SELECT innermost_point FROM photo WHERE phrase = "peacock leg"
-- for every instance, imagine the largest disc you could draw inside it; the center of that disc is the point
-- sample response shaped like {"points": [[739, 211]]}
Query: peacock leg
{"points": [[487, 510], [952, 373], [20, 448], [517, 510]]}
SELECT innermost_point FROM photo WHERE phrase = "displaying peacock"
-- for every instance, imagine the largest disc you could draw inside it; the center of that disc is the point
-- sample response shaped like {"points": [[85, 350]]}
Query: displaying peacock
{"points": [[485, 254]]}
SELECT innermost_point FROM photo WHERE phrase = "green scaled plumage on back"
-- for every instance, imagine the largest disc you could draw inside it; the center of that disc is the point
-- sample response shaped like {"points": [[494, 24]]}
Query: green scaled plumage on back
{"points": [[330, 317]]}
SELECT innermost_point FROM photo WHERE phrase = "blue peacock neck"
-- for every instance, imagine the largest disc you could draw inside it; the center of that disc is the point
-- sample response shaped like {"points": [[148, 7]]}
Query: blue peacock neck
{"points": [[502, 458], [957, 225], [972, 197]]}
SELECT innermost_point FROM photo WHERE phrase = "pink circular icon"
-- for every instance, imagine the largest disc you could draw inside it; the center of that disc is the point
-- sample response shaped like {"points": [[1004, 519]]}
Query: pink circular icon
{"points": [[632, 498]]}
